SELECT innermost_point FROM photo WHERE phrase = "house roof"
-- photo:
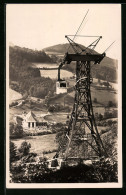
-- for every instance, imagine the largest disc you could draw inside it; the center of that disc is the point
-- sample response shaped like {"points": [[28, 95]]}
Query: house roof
{"points": [[31, 117]]}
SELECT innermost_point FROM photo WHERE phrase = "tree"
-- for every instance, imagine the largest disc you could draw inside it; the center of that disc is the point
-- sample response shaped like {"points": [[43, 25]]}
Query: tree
{"points": [[110, 104], [109, 122], [95, 100], [16, 130], [107, 115], [115, 113], [100, 117], [13, 152], [25, 148], [51, 108]]}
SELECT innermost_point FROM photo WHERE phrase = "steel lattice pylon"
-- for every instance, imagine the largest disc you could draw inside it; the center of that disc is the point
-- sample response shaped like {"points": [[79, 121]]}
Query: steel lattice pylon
{"points": [[83, 139], [83, 136]]}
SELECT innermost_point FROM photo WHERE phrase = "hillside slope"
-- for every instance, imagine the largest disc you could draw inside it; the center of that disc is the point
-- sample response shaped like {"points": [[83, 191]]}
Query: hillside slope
{"points": [[24, 77]]}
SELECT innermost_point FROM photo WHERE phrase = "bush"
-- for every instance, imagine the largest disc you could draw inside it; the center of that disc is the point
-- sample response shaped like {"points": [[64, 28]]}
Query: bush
{"points": [[49, 151], [110, 122], [29, 158], [108, 115], [110, 104], [43, 132], [31, 172], [25, 148], [58, 108], [106, 171], [95, 100], [100, 117]]}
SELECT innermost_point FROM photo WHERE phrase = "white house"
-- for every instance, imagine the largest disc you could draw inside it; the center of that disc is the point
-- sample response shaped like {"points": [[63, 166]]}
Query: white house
{"points": [[31, 121]]}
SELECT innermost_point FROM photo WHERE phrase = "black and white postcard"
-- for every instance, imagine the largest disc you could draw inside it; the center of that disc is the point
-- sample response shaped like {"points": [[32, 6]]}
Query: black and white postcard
{"points": [[63, 96]]}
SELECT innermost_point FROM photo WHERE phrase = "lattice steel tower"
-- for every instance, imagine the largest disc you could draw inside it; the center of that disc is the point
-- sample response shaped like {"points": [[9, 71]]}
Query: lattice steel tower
{"points": [[83, 139]]}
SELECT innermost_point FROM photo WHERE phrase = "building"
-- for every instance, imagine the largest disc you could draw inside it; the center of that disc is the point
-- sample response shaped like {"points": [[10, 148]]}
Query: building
{"points": [[31, 121]]}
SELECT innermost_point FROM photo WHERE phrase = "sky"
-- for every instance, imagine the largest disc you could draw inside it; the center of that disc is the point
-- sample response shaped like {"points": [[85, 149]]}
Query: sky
{"points": [[37, 26]]}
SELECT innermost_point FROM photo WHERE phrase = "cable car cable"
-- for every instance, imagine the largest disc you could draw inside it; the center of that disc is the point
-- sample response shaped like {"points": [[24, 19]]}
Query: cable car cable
{"points": [[79, 28]]}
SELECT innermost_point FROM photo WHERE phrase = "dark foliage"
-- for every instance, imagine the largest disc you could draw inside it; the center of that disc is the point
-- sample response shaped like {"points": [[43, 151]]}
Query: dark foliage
{"points": [[112, 104], [13, 152], [44, 132], [25, 148], [110, 140], [13, 104], [25, 76], [58, 108], [16, 130], [112, 114], [104, 171], [104, 73], [30, 157], [105, 123], [95, 100], [49, 151], [29, 54]]}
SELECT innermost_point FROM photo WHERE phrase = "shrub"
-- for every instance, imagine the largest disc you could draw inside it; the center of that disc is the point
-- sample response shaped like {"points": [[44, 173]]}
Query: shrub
{"points": [[107, 115], [95, 100], [29, 158], [31, 172], [49, 151], [25, 148], [110, 122], [106, 171], [110, 104]]}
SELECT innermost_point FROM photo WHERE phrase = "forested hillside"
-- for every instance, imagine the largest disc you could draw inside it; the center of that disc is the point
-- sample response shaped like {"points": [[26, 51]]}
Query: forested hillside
{"points": [[29, 54], [24, 77]]}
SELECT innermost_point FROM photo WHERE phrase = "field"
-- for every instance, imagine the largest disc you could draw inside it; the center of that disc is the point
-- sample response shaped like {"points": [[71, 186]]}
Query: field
{"points": [[58, 118], [38, 143], [53, 74], [102, 96], [14, 95], [44, 65]]}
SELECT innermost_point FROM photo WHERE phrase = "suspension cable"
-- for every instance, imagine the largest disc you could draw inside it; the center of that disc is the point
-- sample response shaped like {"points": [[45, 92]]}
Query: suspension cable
{"points": [[79, 28], [109, 46]]}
